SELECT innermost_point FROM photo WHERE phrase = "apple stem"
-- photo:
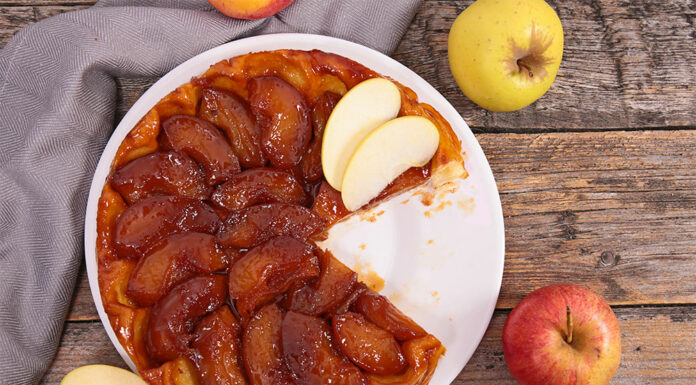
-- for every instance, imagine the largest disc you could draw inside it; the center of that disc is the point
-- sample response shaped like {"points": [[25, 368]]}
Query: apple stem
{"points": [[523, 65], [569, 317]]}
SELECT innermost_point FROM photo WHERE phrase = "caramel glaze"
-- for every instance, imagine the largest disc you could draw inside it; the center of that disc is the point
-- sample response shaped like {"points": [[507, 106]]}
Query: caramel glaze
{"points": [[316, 75]]}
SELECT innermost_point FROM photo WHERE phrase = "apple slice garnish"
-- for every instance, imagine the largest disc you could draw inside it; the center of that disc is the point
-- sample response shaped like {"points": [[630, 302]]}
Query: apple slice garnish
{"points": [[364, 108], [391, 149], [103, 374]]}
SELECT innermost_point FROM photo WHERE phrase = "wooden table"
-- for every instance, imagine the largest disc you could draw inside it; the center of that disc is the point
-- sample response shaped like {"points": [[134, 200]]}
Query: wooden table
{"points": [[597, 179]]}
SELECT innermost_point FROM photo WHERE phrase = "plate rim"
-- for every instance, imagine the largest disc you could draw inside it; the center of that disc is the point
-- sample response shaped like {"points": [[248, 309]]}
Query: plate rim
{"points": [[201, 62]]}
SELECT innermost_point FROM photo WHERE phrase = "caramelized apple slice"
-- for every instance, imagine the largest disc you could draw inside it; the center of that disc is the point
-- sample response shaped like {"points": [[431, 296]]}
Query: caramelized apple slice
{"points": [[332, 287], [283, 116], [256, 224], [367, 345], [262, 348], [268, 270], [328, 204], [178, 372], [203, 142], [171, 319], [311, 354], [218, 346], [421, 355], [161, 173], [151, 219], [311, 161], [232, 115], [171, 261], [378, 310], [259, 185]]}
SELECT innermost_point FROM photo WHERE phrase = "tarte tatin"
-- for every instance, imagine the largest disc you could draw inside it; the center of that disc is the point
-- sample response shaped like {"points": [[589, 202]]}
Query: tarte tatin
{"points": [[208, 268]]}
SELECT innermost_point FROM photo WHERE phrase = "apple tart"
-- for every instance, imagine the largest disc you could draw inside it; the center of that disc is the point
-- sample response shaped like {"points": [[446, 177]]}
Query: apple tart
{"points": [[206, 225]]}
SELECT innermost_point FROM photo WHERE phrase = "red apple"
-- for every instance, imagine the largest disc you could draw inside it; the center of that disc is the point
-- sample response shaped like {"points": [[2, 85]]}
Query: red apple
{"points": [[250, 9], [562, 334]]}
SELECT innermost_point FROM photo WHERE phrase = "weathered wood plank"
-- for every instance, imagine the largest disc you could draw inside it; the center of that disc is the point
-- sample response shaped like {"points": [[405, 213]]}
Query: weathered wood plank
{"points": [[609, 210], [14, 18], [82, 307], [657, 348], [626, 64]]}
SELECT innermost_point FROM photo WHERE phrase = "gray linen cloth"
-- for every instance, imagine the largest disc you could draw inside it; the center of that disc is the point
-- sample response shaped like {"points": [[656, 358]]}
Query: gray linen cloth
{"points": [[57, 101]]}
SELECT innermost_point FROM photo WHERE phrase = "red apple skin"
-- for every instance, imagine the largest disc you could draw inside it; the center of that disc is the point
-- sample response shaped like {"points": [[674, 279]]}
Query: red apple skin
{"points": [[250, 9], [534, 338]]}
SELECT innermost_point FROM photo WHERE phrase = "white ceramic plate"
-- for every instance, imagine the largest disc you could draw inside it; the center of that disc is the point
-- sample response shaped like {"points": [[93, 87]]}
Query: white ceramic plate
{"points": [[442, 263]]}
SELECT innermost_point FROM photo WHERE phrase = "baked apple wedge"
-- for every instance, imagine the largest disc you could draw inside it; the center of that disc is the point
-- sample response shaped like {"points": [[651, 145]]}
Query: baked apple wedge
{"points": [[256, 224], [171, 261], [203, 142], [232, 115], [217, 343], [334, 285], [259, 185], [171, 319], [311, 354], [268, 270], [284, 117], [161, 173], [367, 345], [262, 348], [140, 226]]}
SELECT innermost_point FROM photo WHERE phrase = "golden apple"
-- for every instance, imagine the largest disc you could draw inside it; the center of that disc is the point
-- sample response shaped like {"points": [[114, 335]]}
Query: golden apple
{"points": [[504, 54], [102, 375]]}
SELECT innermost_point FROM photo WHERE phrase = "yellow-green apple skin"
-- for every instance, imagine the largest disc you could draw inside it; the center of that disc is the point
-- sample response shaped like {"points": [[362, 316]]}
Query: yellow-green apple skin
{"points": [[102, 375], [504, 54]]}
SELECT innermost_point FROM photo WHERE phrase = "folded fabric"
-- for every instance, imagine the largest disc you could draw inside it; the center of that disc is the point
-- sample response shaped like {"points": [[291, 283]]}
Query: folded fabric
{"points": [[57, 101]]}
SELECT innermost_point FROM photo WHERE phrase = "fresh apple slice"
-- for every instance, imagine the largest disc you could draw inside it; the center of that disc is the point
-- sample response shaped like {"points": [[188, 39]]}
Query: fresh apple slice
{"points": [[394, 147], [364, 108], [102, 374]]}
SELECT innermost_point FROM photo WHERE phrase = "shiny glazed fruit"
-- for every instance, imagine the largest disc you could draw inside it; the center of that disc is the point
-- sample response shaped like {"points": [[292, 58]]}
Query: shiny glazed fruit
{"points": [[161, 173], [269, 270], [259, 185], [334, 285], [218, 345], [249, 227], [311, 161], [328, 204], [262, 348], [378, 310], [231, 114], [171, 319], [203, 142], [151, 219], [311, 354], [283, 116], [171, 261], [367, 345]]}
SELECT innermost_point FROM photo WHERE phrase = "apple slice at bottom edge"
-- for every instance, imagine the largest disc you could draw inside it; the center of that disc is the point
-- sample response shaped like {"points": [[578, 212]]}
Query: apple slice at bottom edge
{"points": [[394, 147], [106, 375]]}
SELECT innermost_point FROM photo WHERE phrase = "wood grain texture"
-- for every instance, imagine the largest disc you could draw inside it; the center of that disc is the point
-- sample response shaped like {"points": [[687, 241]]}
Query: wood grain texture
{"points": [[82, 307], [609, 210], [627, 64], [14, 18], [655, 345]]}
